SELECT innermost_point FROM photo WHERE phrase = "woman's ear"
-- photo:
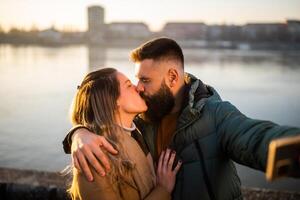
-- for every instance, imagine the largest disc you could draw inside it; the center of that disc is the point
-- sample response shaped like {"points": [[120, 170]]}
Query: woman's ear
{"points": [[118, 103], [173, 77]]}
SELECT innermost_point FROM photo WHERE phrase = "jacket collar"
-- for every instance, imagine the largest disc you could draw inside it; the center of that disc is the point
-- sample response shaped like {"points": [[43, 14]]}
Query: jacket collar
{"points": [[196, 95]]}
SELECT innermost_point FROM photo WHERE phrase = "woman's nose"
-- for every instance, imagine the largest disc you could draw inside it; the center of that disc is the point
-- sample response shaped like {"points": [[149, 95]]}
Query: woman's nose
{"points": [[134, 86]]}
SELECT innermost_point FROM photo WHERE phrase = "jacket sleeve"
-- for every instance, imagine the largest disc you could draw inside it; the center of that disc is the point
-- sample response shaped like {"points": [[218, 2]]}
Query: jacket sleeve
{"points": [[99, 188], [102, 188], [246, 140], [67, 142]]}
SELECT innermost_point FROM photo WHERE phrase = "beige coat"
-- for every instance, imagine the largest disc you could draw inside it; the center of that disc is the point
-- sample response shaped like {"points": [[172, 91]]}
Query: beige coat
{"points": [[140, 185]]}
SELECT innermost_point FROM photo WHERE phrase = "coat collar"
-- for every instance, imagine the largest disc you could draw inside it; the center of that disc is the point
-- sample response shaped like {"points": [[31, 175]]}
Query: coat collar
{"points": [[196, 95]]}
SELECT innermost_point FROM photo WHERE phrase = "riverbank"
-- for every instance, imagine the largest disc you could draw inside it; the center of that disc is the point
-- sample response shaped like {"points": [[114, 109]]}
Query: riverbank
{"points": [[190, 44], [31, 184]]}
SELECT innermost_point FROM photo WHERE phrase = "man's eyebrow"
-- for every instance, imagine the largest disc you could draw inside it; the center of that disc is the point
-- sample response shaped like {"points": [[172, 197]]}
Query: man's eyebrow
{"points": [[142, 77], [127, 81]]}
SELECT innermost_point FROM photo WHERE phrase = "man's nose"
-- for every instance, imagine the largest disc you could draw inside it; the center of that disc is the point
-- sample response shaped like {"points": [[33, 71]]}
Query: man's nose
{"points": [[140, 87]]}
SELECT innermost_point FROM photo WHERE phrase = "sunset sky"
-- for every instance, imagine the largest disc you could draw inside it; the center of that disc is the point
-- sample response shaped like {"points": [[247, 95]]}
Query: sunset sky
{"points": [[72, 14]]}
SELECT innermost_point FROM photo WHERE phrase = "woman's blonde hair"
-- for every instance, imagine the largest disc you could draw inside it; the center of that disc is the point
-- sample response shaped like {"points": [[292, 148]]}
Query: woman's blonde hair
{"points": [[95, 106]]}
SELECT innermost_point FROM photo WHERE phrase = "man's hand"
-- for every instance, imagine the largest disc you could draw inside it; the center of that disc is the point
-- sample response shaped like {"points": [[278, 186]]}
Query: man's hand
{"points": [[87, 148]]}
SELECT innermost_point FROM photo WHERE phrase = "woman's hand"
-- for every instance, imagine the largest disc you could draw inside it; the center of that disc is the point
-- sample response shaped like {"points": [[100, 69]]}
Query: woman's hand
{"points": [[166, 177]]}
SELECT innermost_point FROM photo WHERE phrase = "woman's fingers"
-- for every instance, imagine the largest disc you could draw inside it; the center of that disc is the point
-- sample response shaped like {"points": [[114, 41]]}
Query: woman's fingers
{"points": [[171, 161], [176, 169], [160, 162], [166, 159], [166, 176]]}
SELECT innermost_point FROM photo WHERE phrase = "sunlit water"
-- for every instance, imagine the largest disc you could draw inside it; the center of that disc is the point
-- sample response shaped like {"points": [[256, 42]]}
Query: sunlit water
{"points": [[37, 85]]}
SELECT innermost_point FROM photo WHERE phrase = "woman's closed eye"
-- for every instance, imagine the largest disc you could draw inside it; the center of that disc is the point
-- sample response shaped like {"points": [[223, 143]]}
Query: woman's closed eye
{"points": [[129, 85]]}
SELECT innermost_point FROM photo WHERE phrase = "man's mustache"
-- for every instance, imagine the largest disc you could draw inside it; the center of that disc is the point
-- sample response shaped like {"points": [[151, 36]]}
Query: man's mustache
{"points": [[143, 96]]}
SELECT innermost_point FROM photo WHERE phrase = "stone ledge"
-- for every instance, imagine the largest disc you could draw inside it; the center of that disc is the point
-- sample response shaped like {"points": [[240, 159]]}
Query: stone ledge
{"points": [[13, 191], [32, 184], [32, 177]]}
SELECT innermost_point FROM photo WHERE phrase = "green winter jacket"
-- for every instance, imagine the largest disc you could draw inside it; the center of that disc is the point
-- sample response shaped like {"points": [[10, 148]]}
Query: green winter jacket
{"points": [[210, 135]]}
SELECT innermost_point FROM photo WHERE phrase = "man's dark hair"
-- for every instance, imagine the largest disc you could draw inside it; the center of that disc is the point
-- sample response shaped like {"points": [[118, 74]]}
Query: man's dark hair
{"points": [[156, 49]]}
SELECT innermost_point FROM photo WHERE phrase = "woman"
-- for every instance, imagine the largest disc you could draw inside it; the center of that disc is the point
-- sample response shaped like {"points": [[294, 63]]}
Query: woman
{"points": [[106, 103]]}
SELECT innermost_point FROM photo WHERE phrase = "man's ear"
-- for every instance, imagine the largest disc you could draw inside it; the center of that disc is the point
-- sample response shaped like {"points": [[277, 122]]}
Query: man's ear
{"points": [[173, 77]]}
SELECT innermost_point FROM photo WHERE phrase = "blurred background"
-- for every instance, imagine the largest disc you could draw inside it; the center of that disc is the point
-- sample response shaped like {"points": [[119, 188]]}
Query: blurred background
{"points": [[249, 51]]}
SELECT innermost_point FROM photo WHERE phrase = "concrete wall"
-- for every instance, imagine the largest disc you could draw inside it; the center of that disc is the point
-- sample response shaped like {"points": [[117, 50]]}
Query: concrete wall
{"points": [[30, 184]]}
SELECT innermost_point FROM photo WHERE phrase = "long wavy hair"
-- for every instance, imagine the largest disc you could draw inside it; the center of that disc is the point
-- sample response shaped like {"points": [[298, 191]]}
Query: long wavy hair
{"points": [[95, 106]]}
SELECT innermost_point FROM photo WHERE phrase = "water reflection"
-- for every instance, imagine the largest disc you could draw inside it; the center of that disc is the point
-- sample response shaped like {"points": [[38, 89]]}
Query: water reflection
{"points": [[96, 57], [288, 59]]}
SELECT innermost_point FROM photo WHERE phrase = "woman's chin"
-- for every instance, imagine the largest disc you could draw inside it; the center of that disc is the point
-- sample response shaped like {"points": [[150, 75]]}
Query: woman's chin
{"points": [[143, 110]]}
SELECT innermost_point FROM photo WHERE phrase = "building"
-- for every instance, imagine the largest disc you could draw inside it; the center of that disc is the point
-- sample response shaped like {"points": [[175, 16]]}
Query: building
{"points": [[96, 25], [214, 32], [185, 30], [125, 30], [293, 27], [50, 35], [264, 31]]}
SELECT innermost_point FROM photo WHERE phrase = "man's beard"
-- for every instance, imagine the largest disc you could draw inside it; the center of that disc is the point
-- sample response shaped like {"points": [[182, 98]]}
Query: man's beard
{"points": [[159, 104]]}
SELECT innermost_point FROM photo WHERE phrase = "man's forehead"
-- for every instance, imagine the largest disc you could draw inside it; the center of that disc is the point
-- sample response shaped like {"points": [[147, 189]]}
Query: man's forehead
{"points": [[142, 69], [147, 68]]}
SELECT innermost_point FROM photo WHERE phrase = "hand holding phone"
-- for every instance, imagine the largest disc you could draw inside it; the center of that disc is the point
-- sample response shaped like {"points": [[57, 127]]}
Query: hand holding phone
{"points": [[283, 158]]}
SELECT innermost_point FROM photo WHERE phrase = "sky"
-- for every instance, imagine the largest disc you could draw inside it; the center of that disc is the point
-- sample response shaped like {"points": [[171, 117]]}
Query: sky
{"points": [[72, 14]]}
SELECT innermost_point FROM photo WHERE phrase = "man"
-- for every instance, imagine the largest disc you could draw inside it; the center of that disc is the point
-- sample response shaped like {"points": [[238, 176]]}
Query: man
{"points": [[188, 116]]}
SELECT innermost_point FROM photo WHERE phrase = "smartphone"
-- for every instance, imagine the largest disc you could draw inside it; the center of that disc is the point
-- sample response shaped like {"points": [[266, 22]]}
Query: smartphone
{"points": [[283, 158]]}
